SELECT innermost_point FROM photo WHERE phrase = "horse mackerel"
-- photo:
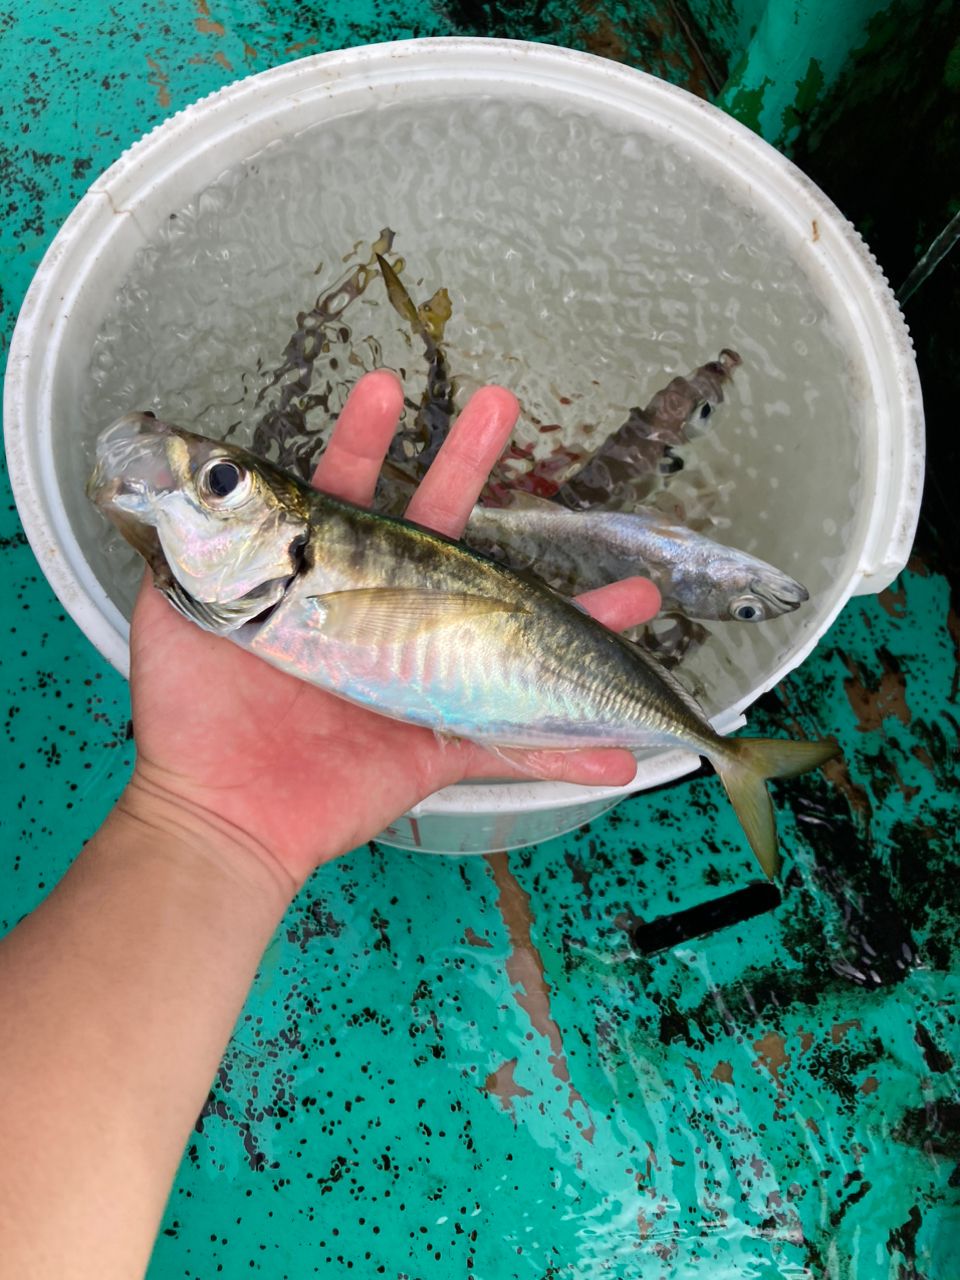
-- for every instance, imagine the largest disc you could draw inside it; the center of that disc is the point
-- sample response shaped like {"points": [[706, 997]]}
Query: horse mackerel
{"points": [[402, 620]]}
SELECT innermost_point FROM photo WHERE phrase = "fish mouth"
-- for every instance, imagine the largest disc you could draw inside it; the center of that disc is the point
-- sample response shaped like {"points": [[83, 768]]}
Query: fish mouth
{"points": [[133, 467], [131, 473], [781, 593]]}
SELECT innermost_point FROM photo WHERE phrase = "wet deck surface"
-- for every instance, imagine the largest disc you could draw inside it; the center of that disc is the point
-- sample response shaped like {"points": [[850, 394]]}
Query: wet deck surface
{"points": [[456, 1067]]}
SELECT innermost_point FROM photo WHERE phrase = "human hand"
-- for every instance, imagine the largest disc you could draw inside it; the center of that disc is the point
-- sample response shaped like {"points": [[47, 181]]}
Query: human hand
{"points": [[247, 755]]}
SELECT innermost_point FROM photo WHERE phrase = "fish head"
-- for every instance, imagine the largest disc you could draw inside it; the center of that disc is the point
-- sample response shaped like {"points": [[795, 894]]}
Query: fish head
{"points": [[705, 389], [762, 592], [223, 532], [686, 405]]}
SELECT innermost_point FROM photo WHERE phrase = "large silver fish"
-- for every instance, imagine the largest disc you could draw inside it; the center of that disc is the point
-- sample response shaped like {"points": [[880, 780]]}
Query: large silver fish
{"points": [[577, 550], [401, 620]]}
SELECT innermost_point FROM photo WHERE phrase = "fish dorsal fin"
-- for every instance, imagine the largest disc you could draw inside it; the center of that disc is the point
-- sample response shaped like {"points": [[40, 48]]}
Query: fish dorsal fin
{"points": [[394, 615]]}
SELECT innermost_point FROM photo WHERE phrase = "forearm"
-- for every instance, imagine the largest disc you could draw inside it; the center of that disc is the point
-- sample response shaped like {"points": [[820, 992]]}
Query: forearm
{"points": [[117, 998]]}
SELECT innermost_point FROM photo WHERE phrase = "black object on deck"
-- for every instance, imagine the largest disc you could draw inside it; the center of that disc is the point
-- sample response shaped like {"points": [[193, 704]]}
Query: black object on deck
{"points": [[648, 937]]}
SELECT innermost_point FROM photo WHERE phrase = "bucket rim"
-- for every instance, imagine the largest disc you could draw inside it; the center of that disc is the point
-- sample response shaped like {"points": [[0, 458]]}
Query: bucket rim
{"points": [[141, 170]]}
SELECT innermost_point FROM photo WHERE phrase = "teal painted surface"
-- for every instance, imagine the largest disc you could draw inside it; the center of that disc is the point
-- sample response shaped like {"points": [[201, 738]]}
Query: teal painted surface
{"points": [[728, 25], [457, 1067], [798, 49], [739, 1107]]}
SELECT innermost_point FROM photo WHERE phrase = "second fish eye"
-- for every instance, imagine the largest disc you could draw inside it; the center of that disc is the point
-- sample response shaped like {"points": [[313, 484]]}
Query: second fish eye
{"points": [[221, 479], [746, 611]]}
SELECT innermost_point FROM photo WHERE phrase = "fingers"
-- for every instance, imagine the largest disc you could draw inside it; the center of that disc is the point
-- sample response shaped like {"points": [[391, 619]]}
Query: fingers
{"points": [[450, 488], [349, 469], [351, 462], [591, 766], [623, 604]]}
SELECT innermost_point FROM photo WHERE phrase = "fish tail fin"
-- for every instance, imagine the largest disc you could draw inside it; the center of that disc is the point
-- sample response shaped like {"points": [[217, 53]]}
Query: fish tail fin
{"points": [[744, 766]]}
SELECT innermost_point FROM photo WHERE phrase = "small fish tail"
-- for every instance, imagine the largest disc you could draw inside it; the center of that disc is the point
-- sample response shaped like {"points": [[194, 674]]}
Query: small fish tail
{"points": [[744, 767]]}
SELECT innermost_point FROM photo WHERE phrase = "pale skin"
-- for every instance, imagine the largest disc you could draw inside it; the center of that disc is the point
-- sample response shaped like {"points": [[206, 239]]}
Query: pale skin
{"points": [[119, 992]]}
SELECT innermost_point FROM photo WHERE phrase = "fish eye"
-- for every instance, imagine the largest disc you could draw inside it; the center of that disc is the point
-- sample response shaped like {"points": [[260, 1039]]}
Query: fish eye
{"points": [[222, 482], [746, 610], [705, 411]]}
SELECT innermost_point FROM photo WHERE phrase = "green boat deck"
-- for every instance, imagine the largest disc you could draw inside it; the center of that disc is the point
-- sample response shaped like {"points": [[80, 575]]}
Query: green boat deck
{"points": [[454, 1067]]}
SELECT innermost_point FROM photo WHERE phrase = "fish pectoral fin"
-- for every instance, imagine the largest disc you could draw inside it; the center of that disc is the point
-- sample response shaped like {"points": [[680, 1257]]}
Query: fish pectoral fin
{"points": [[393, 615]]}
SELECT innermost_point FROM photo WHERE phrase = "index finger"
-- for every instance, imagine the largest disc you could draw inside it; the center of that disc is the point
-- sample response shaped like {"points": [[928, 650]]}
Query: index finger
{"points": [[623, 604], [350, 464], [446, 495]]}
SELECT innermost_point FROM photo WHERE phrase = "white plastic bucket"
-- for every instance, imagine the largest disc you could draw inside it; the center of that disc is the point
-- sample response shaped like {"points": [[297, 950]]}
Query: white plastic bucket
{"points": [[78, 278]]}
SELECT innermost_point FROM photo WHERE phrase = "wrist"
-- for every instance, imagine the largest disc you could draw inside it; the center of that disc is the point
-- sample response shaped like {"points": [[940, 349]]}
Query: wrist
{"points": [[203, 843], [118, 995]]}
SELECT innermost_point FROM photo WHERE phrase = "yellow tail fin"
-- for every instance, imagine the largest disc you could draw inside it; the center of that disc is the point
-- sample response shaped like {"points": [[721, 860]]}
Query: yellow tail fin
{"points": [[744, 766]]}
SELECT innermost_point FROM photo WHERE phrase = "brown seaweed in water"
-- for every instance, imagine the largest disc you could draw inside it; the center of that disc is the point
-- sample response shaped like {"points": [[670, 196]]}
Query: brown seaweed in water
{"points": [[434, 413], [284, 433]]}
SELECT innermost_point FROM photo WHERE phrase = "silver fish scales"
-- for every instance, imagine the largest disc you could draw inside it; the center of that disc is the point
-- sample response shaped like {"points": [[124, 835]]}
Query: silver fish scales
{"points": [[402, 620]]}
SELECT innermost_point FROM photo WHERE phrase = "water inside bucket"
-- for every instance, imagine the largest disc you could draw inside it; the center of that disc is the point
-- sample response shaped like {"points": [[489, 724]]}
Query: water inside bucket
{"points": [[587, 264]]}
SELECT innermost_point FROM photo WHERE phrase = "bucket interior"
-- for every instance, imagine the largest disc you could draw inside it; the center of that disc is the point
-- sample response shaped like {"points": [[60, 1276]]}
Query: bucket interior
{"points": [[589, 256]]}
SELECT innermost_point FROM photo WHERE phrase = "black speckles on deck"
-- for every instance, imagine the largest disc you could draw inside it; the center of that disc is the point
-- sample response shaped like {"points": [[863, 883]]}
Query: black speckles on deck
{"points": [[393, 1100]]}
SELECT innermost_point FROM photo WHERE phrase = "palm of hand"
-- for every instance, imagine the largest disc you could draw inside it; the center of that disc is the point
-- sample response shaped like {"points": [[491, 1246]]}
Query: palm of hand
{"points": [[294, 767], [302, 773]]}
